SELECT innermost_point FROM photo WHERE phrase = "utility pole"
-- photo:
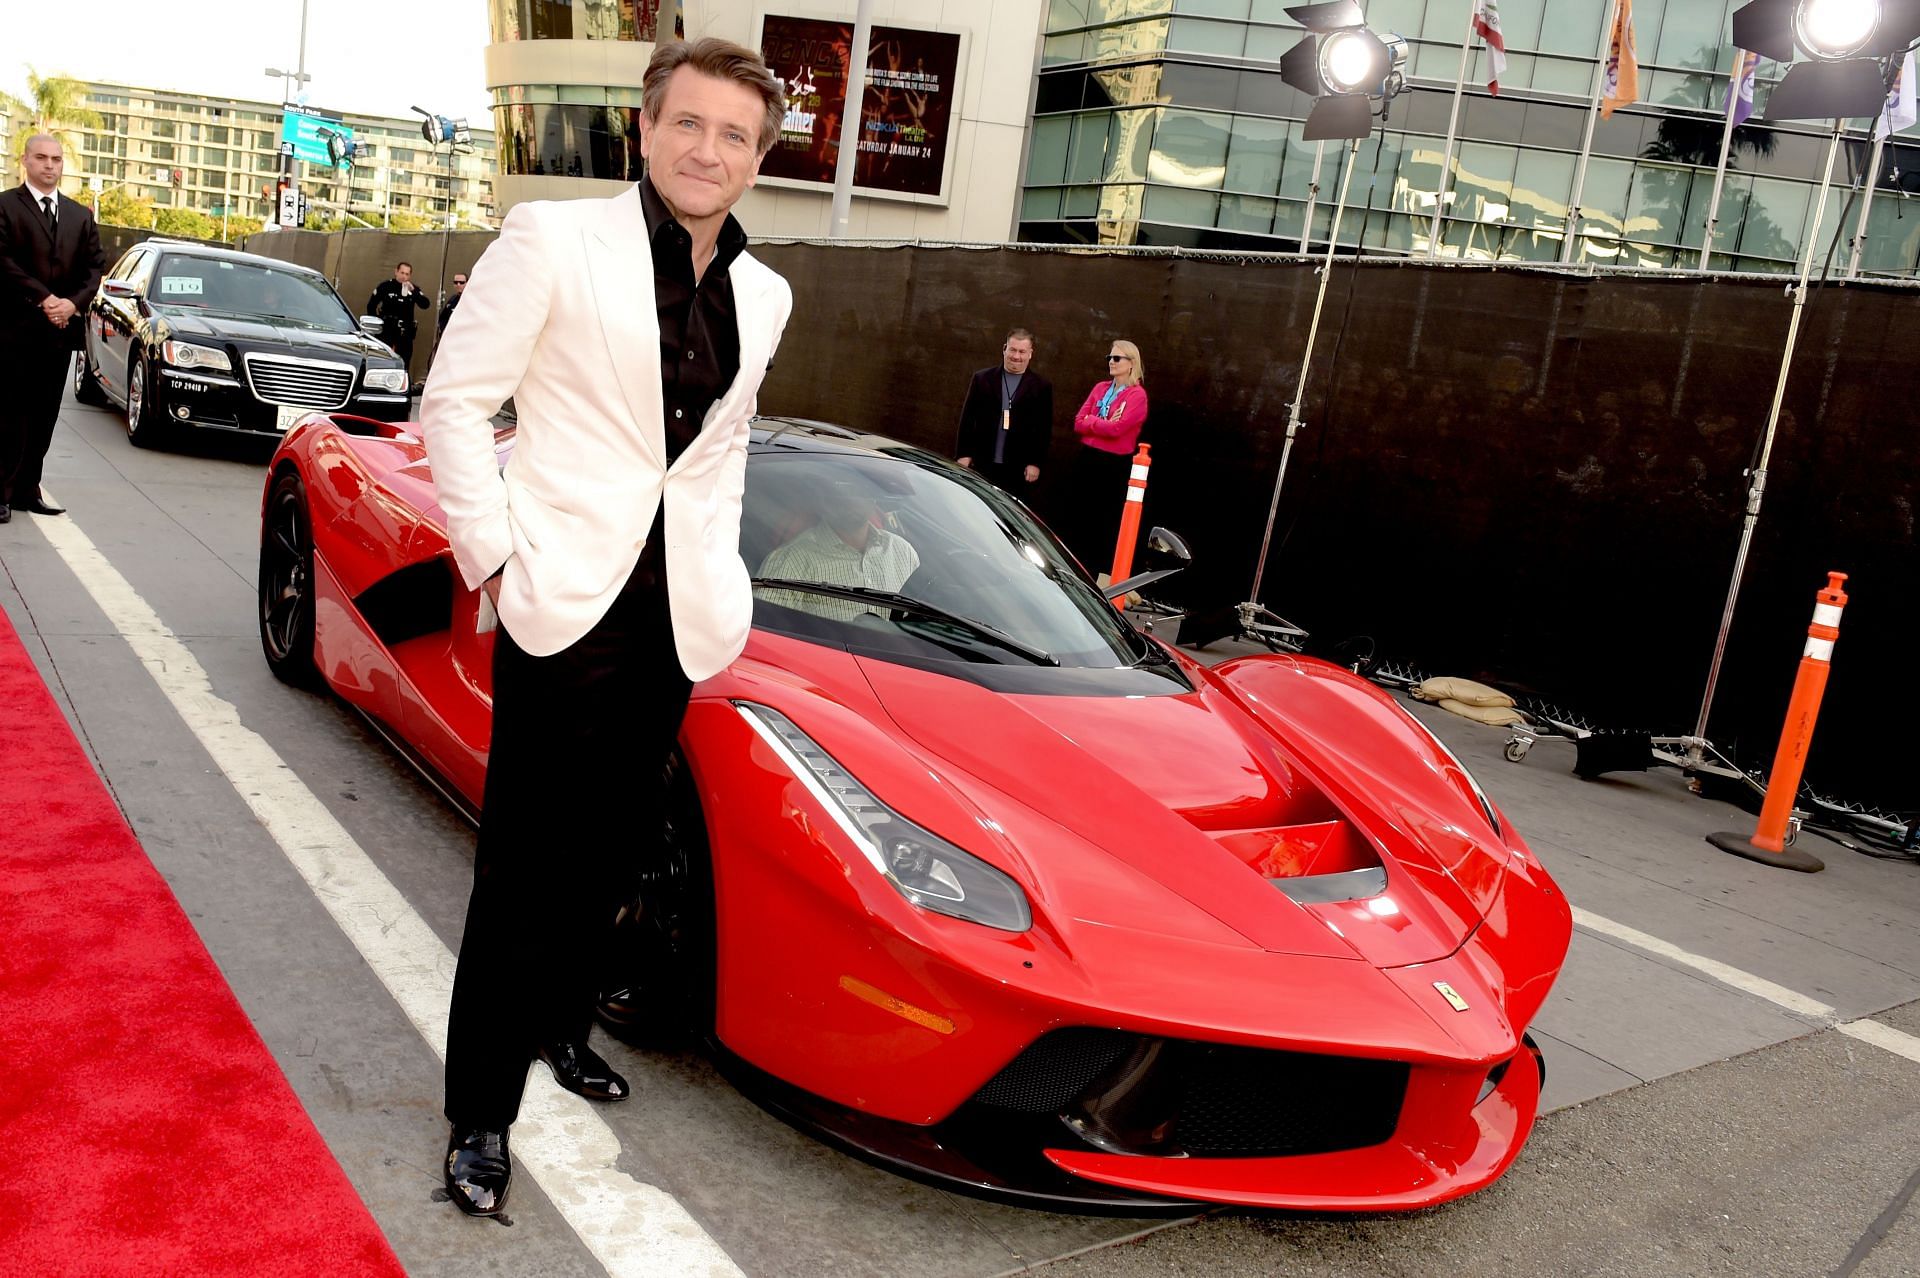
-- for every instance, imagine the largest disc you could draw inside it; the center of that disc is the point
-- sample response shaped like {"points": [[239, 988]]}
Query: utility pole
{"points": [[298, 77], [850, 115]]}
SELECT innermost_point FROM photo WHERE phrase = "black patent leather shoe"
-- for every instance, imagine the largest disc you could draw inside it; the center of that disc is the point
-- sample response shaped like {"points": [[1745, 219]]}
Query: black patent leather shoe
{"points": [[6, 513], [579, 1069], [624, 1007], [38, 507], [479, 1170]]}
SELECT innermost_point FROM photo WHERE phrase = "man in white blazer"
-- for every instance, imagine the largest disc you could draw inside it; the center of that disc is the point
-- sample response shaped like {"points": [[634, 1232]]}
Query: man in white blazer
{"points": [[632, 334]]}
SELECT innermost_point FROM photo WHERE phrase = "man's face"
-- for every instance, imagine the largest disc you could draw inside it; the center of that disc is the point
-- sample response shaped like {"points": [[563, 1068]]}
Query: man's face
{"points": [[403, 273], [703, 152], [459, 283], [1017, 354], [45, 162]]}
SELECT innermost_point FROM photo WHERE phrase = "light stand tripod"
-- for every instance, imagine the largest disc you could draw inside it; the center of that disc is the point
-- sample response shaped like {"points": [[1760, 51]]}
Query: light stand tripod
{"points": [[1697, 747], [1257, 621]]}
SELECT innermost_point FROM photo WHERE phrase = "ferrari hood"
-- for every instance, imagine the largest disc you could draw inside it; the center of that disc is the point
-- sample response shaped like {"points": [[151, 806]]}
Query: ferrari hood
{"points": [[1199, 795]]}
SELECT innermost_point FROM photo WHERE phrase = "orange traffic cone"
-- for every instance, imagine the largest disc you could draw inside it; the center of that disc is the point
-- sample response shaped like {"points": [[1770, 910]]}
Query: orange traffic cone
{"points": [[1769, 842]]}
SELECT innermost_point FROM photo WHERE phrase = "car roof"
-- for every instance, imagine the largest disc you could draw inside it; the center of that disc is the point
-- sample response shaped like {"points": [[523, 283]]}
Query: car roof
{"points": [[190, 248], [806, 435]]}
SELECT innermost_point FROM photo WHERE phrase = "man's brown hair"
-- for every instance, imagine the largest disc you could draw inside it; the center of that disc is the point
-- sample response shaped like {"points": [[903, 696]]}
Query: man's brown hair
{"points": [[723, 60], [1015, 334]]}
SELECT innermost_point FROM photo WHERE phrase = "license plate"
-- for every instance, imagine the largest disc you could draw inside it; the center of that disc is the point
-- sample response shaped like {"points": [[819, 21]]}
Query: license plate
{"points": [[285, 415]]}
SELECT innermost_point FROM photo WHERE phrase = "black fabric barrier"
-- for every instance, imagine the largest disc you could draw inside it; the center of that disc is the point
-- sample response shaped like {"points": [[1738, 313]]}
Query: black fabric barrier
{"points": [[1528, 477], [1532, 478]]}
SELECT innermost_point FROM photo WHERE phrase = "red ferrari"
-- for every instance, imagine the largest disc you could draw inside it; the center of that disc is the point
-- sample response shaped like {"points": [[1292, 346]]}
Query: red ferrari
{"points": [[973, 878]]}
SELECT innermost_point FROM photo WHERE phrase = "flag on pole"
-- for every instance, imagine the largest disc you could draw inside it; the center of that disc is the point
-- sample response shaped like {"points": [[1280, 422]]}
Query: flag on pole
{"points": [[1740, 85], [1623, 69], [1899, 113], [1486, 25]]}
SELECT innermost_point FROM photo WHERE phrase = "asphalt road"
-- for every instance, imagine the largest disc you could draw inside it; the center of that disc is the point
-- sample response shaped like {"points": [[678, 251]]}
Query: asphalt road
{"points": [[1714, 1106]]}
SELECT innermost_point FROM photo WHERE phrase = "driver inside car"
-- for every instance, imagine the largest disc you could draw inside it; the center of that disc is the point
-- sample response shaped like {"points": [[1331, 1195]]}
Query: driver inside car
{"points": [[844, 546]]}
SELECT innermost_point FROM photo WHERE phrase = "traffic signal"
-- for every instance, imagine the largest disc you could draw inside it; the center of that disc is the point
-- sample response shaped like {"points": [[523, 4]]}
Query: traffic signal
{"points": [[178, 177]]}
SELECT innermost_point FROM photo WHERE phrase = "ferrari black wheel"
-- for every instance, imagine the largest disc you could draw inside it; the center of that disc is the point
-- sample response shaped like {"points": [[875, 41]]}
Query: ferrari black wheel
{"points": [[286, 583], [146, 424], [662, 985], [86, 387]]}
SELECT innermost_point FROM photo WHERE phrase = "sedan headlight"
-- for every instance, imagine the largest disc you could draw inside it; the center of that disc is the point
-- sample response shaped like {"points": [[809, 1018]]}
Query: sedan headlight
{"points": [[187, 355], [925, 868], [387, 379]]}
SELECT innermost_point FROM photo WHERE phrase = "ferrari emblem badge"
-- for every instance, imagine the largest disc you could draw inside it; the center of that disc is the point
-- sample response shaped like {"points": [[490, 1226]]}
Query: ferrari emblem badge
{"points": [[1452, 996]]}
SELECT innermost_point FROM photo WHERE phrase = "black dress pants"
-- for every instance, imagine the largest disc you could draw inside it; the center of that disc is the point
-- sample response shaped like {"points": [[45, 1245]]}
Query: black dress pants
{"points": [[574, 802], [28, 411]]}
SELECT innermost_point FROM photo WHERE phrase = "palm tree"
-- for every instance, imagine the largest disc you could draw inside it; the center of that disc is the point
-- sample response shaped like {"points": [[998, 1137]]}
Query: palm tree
{"points": [[56, 105]]}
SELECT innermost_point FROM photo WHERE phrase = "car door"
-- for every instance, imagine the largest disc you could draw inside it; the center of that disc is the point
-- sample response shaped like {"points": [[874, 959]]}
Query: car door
{"points": [[104, 318], [120, 312]]}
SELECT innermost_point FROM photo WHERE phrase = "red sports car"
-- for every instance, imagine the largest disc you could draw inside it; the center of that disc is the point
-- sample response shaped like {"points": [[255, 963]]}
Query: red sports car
{"points": [[972, 877]]}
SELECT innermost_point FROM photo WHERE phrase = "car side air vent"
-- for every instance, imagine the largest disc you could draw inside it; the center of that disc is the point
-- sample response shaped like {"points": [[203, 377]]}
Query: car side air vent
{"points": [[1315, 862]]}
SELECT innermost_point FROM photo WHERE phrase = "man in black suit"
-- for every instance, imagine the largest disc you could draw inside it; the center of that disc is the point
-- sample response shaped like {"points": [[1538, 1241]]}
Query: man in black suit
{"points": [[50, 265], [394, 302], [1006, 423]]}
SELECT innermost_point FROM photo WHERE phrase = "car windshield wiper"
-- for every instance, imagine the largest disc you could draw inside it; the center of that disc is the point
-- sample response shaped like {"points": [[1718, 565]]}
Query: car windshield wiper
{"points": [[907, 603]]}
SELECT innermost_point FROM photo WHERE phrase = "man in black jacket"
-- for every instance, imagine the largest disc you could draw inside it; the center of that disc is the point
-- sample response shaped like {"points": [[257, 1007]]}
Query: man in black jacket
{"points": [[393, 302], [1006, 423], [50, 265]]}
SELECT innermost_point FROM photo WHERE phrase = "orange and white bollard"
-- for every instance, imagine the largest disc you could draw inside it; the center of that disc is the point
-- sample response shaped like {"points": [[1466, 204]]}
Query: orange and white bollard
{"points": [[1769, 841], [1130, 520]]}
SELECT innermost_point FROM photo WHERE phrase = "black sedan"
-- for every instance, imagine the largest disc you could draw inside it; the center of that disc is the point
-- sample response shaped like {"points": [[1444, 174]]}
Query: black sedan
{"points": [[187, 334]]}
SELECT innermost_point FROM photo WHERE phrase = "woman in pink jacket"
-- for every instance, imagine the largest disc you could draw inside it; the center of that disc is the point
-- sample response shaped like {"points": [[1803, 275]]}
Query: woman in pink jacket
{"points": [[1108, 427]]}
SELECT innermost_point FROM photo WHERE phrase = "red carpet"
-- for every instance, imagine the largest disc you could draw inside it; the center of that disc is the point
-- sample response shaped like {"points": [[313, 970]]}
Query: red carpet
{"points": [[144, 1128]]}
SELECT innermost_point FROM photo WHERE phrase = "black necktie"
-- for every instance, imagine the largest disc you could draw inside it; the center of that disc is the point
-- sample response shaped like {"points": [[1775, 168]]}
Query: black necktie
{"points": [[53, 223]]}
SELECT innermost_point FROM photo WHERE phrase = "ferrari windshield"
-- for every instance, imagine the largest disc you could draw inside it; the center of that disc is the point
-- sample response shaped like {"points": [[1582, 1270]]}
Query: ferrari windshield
{"points": [[906, 554]]}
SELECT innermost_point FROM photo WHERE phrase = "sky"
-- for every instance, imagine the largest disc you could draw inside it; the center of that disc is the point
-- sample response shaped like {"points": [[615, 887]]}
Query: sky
{"points": [[380, 57]]}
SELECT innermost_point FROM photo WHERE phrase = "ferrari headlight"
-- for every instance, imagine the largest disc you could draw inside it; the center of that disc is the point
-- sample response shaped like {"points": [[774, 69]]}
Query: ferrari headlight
{"points": [[925, 868], [387, 379], [1486, 804], [187, 355]]}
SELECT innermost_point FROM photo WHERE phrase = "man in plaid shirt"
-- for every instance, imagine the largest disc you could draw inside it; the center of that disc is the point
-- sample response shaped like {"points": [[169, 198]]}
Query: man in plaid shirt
{"points": [[844, 547]]}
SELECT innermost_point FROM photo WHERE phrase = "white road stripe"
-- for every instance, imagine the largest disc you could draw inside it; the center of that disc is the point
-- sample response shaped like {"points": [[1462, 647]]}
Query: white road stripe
{"points": [[631, 1228], [1747, 982], [1896, 1041]]}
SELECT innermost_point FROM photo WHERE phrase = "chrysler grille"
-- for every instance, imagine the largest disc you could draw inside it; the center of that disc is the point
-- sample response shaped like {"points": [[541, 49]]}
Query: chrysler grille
{"points": [[306, 383]]}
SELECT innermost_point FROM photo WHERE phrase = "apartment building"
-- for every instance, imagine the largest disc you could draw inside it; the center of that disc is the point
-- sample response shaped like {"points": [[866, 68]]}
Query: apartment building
{"points": [[187, 150]]}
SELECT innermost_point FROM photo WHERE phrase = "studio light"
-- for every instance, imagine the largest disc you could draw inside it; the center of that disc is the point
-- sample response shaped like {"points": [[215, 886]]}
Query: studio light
{"points": [[1344, 66], [1352, 61], [1846, 42], [1831, 29]]}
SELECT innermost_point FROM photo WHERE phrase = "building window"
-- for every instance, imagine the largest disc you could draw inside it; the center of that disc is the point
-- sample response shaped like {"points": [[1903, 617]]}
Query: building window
{"points": [[569, 140], [644, 20]]}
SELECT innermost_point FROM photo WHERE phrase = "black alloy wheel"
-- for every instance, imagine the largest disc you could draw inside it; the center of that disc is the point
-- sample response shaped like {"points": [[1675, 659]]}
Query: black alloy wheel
{"points": [[286, 583], [147, 426], [86, 385], [666, 963]]}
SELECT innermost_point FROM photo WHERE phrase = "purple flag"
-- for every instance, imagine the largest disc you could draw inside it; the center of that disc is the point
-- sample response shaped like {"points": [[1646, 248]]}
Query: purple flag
{"points": [[1745, 63]]}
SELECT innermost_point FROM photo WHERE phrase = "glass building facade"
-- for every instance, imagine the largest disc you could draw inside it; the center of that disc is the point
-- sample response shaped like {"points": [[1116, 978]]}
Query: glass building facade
{"points": [[1164, 122], [575, 130]]}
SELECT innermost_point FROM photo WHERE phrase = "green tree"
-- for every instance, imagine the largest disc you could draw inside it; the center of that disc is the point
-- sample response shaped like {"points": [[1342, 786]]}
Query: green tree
{"points": [[189, 224], [115, 207], [56, 104]]}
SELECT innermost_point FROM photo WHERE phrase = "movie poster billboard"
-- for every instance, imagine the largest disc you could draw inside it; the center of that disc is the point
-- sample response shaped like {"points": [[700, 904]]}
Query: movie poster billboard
{"points": [[907, 113]]}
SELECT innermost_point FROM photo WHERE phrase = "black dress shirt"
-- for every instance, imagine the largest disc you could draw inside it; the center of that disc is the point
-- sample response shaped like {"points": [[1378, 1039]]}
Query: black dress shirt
{"points": [[699, 334]]}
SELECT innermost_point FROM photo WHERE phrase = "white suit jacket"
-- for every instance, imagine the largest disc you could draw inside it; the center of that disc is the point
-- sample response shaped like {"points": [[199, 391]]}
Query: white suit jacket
{"points": [[560, 314]]}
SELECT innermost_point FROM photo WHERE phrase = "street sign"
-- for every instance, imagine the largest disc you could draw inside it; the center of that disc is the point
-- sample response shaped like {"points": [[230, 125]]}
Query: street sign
{"points": [[289, 206], [300, 134]]}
